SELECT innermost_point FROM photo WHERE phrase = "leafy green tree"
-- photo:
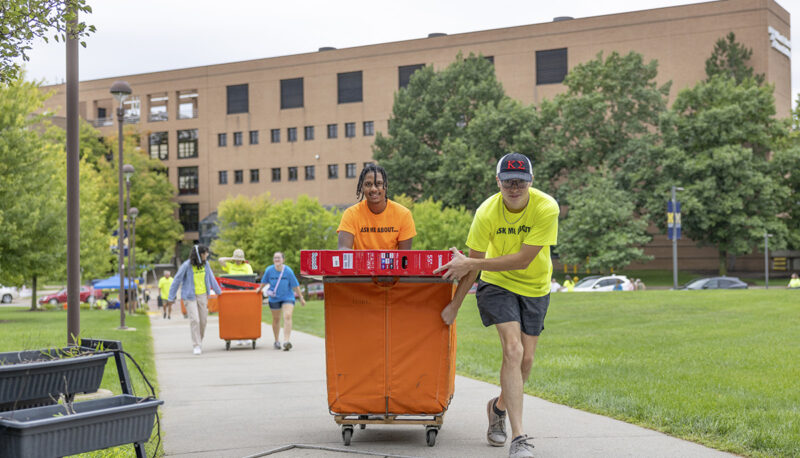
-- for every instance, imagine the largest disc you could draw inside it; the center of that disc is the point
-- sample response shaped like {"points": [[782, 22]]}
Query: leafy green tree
{"points": [[238, 219], [721, 134], [23, 21], [32, 204], [730, 59], [439, 227], [293, 225], [447, 131], [598, 230]]}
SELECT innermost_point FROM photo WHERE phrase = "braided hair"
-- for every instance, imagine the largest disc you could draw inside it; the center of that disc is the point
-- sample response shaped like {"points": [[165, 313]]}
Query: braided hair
{"points": [[370, 168], [194, 256]]}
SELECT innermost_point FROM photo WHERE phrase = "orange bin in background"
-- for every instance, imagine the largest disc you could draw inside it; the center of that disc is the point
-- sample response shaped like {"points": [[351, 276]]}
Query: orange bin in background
{"points": [[390, 358], [239, 316], [213, 305]]}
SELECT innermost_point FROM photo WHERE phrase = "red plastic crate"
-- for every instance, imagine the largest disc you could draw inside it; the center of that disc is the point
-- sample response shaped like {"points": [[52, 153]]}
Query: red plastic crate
{"points": [[356, 263]]}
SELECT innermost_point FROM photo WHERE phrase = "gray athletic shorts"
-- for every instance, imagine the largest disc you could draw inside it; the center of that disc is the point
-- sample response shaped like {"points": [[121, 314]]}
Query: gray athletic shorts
{"points": [[499, 305]]}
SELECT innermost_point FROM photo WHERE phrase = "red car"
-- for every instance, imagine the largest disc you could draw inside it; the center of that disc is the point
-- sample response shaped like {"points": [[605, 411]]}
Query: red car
{"points": [[88, 294]]}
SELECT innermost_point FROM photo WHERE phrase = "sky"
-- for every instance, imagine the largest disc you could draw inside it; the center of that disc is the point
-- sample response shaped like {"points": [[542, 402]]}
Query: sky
{"points": [[141, 36]]}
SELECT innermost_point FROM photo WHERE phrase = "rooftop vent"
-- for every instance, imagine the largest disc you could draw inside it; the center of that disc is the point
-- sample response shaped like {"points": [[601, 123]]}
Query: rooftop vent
{"points": [[436, 34], [327, 48], [563, 18]]}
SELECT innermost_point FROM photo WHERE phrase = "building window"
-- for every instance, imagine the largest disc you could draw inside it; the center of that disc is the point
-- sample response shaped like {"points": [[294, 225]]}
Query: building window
{"points": [[350, 89], [309, 172], [308, 132], [551, 66], [190, 217], [222, 139], [368, 163], [223, 177], [158, 107], [292, 173], [133, 109], [187, 143], [350, 170], [187, 181], [292, 93], [369, 128], [254, 137], [237, 139], [238, 176], [275, 135], [404, 74], [237, 99], [187, 104], [490, 59], [253, 175], [276, 174], [333, 171], [101, 113], [333, 130], [349, 129], [159, 149], [291, 134]]}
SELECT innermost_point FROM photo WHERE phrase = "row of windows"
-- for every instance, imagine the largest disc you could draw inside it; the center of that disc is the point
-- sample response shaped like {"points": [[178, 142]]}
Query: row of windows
{"points": [[187, 144], [551, 68]]}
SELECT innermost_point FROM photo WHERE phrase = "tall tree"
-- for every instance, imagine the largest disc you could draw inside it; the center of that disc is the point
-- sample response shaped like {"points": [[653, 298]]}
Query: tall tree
{"points": [[21, 21], [721, 134], [439, 227], [238, 221], [447, 131], [731, 59]]}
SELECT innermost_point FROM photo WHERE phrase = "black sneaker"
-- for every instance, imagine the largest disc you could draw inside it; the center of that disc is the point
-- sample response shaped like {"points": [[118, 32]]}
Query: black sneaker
{"points": [[287, 346]]}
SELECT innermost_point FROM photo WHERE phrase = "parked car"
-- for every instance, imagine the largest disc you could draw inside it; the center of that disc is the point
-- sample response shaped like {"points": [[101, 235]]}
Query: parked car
{"points": [[87, 294], [715, 283], [607, 283], [315, 291], [7, 294]]}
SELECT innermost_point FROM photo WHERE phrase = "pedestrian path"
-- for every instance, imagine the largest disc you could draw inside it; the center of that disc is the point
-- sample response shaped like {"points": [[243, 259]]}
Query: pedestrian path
{"points": [[246, 402]]}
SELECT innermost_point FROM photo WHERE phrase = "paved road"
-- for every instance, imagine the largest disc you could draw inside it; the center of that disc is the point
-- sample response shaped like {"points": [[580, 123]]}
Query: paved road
{"points": [[246, 402]]}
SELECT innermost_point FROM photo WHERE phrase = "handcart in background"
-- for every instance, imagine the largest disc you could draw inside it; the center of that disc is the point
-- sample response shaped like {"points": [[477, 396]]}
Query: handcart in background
{"points": [[390, 359], [239, 308]]}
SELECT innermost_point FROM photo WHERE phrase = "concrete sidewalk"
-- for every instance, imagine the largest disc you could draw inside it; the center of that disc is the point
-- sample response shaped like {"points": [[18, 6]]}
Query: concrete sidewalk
{"points": [[244, 402]]}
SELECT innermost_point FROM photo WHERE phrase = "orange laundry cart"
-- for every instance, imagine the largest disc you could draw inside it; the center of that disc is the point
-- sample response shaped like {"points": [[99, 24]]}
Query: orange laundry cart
{"points": [[390, 359], [239, 316]]}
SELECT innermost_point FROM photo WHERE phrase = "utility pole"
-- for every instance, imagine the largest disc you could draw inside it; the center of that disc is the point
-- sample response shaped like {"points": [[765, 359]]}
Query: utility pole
{"points": [[673, 224]]}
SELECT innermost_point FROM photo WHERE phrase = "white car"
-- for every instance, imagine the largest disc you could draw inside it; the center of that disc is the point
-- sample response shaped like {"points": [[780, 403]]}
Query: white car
{"points": [[607, 283], [7, 294]]}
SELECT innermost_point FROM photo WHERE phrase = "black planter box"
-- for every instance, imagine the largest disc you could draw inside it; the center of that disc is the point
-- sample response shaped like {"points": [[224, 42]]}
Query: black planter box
{"points": [[37, 377], [51, 432]]}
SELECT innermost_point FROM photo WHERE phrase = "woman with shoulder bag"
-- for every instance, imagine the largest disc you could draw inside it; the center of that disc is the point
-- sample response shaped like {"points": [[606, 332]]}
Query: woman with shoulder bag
{"points": [[279, 281]]}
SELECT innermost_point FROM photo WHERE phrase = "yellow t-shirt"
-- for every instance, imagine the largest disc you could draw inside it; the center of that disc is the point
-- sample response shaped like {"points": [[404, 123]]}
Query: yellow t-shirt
{"points": [[199, 280], [164, 284], [383, 231], [498, 232], [794, 283], [232, 268]]}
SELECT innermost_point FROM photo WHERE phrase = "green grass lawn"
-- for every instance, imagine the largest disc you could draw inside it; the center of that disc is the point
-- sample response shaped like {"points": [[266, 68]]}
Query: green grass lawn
{"points": [[21, 329], [716, 367]]}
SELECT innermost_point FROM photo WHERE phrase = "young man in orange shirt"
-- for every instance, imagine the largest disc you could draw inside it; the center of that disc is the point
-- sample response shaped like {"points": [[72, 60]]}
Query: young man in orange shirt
{"points": [[375, 222]]}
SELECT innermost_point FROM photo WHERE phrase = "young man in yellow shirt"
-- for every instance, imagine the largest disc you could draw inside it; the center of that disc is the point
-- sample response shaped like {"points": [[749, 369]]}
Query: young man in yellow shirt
{"points": [[375, 222], [509, 243], [163, 288]]}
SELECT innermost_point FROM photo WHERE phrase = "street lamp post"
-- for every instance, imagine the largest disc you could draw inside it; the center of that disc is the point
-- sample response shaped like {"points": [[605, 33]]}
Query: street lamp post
{"points": [[766, 259], [132, 213], [128, 171], [675, 237], [121, 90]]}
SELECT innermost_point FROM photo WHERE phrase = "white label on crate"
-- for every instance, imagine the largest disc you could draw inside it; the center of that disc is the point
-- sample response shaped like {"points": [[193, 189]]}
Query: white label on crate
{"points": [[347, 260], [335, 261], [440, 261]]}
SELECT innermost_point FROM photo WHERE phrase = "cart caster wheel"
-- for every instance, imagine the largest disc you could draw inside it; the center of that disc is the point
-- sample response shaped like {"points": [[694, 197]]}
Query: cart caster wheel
{"points": [[347, 434], [363, 417], [227, 345], [430, 436], [254, 345]]}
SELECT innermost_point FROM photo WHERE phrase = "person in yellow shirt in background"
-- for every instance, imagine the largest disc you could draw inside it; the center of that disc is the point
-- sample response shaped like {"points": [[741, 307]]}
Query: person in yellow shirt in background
{"points": [[569, 284], [163, 293], [509, 243], [236, 265], [794, 283], [375, 222]]}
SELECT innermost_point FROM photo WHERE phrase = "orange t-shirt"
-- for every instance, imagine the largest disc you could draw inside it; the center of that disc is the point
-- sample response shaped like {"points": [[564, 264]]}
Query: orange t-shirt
{"points": [[383, 231]]}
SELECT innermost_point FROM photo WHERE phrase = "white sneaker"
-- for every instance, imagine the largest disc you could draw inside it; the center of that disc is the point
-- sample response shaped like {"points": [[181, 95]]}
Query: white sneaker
{"points": [[277, 345], [197, 351], [521, 447]]}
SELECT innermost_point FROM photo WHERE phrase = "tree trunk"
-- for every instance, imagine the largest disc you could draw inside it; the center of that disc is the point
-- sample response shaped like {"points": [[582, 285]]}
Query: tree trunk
{"points": [[33, 294], [723, 262]]}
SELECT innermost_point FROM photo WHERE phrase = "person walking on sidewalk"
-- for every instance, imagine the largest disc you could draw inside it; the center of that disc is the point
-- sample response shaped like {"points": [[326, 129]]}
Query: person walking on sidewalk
{"points": [[196, 280], [280, 283], [509, 243], [375, 222], [164, 284]]}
